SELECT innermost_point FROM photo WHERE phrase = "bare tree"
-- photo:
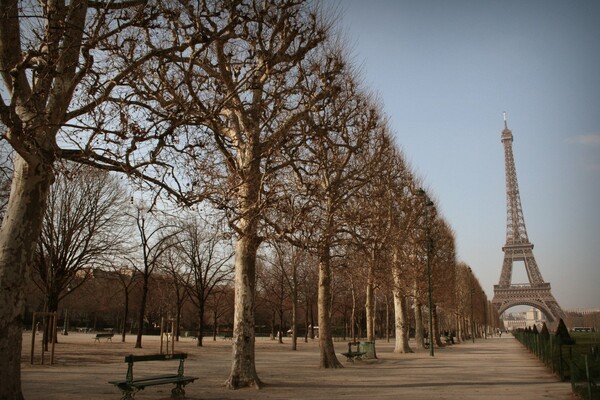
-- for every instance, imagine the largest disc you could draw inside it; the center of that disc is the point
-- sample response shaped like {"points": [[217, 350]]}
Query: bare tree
{"points": [[420, 259], [170, 264], [205, 252], [290, 262], [332, 172], [279, 280], [220, 304], [242, 98], [308, 290], [128, 279], [462, 292], [403, 213], [83, 227], [156, 237], [371, 213], [443, 271], [351, 275], [56, 77]]}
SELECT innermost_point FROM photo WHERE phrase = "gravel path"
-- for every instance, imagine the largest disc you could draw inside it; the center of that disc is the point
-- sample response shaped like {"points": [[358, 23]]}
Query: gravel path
{"points": [[497, 368]]}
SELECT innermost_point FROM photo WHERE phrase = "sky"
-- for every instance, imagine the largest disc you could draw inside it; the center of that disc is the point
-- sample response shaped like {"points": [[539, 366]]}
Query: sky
{"points": [[445, 72]]}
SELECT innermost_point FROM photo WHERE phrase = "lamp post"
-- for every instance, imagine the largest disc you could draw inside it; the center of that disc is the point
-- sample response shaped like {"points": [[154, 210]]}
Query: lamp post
{"points": [[428, 203], [66, 322]]}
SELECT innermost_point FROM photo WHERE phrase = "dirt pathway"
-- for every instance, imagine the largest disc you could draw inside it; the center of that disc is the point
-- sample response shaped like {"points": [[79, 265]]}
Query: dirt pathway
{"points": [[488, 369]]}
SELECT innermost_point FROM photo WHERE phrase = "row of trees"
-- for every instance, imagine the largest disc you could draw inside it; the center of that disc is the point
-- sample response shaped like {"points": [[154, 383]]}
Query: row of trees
{"points": [[250, 109], [91, 226]]}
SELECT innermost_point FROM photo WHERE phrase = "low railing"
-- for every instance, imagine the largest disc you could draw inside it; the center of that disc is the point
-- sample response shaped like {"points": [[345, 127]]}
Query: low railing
{"points": [[579, 362]]}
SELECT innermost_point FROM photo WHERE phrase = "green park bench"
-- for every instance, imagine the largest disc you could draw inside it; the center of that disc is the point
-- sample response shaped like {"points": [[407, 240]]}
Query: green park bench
{"points": [[107, 336], [353, 355], [227, 336], [130, 385]]}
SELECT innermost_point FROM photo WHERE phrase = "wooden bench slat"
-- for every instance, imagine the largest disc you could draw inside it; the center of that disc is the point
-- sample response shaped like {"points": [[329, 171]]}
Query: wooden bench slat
{"points": [[146, 378], [150, 382], [155, 357], [154, 382], [149, 378], [141, 384]]}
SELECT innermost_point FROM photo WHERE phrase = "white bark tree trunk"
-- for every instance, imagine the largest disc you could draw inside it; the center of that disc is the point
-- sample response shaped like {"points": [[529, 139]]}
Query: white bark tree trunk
{"points": [[458, 332], [294, 306], [243, 370], [328, 358], [20, 230], [353, 330], [370, 299], [436, 326], [401, 322], [419, 331]]}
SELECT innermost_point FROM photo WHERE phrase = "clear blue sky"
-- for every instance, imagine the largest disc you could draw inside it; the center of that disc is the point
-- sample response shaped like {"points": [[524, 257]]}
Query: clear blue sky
{"points": [[446, 71]]}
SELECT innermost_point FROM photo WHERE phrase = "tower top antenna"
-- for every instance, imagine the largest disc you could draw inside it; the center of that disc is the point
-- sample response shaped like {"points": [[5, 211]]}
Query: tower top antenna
{"points": [[505, 120]]}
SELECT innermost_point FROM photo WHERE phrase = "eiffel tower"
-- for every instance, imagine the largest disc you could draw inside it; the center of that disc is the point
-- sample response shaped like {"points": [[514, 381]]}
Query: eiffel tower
{"points": [[537, 292]]}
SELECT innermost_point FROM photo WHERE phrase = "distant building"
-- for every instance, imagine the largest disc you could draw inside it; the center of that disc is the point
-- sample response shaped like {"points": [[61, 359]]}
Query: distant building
{"points": [[583, 317], [522, 320]]}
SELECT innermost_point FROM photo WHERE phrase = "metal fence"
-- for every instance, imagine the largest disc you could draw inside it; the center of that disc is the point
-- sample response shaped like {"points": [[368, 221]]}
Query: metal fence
{"points": [[577, 362]]}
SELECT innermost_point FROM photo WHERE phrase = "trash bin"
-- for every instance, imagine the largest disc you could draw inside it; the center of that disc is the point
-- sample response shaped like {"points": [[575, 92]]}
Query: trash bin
{"points": [[368, 348]]}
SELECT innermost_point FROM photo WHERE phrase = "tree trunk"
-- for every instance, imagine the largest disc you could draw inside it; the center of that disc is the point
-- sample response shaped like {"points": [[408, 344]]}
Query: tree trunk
{"points": [[436, 326], [273, 333], [312, 322], [353, 315], [177, 320], [125, 315], [458, 332], [281, 327], [306, 320], [401, 319], [51, 307], [294, 307], [294, 325], [419, 332], [201, 325], [370, 312], [19, 233], [215, 322], [387, 319], [370, 302], [138, 340], [243, 369], [328, 358]]}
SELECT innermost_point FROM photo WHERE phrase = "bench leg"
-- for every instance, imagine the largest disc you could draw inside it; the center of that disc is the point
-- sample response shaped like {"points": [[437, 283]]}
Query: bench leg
{"points": [[128, 394], [178, 392]]}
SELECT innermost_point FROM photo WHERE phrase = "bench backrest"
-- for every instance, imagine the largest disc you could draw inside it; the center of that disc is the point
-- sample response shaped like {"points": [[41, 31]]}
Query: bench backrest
{"points": [[130, 359], [155, 357], [350, 344]]}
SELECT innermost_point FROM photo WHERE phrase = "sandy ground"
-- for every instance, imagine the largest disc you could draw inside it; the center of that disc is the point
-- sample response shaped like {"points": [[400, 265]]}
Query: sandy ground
{"points": [[497, 368]]}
